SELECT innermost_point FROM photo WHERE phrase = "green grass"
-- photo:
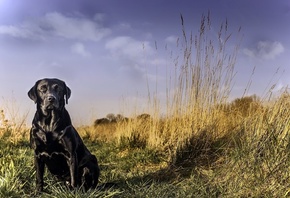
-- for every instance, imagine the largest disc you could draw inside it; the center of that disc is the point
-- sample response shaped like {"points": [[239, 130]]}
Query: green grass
{"points": [[131, 173], [248, 163], [134, 173]]}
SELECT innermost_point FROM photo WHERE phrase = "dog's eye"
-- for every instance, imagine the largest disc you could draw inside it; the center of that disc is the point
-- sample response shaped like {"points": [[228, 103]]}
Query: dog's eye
{"points": [[55, 87], [43, 88]]}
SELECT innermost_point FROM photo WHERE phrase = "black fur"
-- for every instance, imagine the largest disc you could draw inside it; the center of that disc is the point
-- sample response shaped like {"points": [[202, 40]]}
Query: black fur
{"points": [[56, 143]]}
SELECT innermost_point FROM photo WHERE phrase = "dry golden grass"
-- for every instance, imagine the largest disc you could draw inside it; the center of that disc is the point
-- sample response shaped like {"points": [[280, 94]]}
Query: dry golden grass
{"points": [[103, 132], [202, 81], [14, 129]]}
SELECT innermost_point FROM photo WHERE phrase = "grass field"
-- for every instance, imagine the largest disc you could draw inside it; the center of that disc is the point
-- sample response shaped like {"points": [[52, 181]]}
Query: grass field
{"points": [[245, 154], [203, 146]]}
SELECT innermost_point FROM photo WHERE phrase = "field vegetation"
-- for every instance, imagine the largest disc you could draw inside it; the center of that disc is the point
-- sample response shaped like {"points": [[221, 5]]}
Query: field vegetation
{"points": [[202, 146]]}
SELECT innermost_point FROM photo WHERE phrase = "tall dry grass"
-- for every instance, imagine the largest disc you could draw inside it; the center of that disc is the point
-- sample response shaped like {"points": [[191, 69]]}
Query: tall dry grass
{"points": [[12, 121], [202, 80], [256, 161]]}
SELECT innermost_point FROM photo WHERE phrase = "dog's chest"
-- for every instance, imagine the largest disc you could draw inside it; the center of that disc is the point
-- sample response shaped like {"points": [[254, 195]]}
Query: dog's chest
{"points": [[49, 144]]}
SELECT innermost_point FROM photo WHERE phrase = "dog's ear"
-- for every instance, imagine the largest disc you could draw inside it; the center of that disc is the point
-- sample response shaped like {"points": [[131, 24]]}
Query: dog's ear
{"points": [[32, 93], [67, 93]]}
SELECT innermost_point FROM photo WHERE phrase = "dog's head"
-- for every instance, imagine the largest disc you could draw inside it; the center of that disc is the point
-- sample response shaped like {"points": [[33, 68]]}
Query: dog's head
{"points": [[50, 94]]}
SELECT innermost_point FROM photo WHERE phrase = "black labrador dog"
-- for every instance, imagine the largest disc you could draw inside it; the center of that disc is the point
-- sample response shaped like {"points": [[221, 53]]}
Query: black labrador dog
{"points": [[56, 142]]}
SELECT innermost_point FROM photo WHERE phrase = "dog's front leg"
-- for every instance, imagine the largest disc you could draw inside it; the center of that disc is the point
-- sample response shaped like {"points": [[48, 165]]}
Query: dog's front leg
{"points": [[68, 140], [73, 168], [39, 166]]}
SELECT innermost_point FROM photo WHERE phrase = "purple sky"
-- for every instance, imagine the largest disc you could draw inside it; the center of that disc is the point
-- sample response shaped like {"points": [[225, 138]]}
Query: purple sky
{"points": [[105, 50]]}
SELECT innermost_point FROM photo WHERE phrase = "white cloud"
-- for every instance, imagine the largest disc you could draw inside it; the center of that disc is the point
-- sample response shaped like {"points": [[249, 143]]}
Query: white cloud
{"points": [[279, 86], [99, 17], [74, 28], [140, 52], [129, 48], [265, 50], [171, 39], [58, 25], [124, 26], [79, 48], [135, 57], [158, 61], [14, 31]]}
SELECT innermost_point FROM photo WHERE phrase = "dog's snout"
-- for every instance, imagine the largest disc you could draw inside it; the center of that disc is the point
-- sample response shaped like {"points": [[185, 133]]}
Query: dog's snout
{"points": [[51, 98], [51, 101]]}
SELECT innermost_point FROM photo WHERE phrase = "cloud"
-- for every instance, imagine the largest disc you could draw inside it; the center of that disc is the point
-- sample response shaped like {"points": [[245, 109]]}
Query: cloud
{"points": [[79, 48], [133, 56], [129, 48], [265, 50], [171, 39], [99, 17], [57, 25], [142, 52], [279, 86], [124, 26], [19, 32], [55, 68], [74, 28]]}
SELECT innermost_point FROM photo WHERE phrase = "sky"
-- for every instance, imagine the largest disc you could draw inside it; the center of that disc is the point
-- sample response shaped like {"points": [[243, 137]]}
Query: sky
{"points": [[110, 53]]}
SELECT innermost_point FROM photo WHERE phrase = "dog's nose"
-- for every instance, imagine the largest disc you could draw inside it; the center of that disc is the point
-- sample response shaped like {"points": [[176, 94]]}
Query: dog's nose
{"points": [[51, 98]]}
